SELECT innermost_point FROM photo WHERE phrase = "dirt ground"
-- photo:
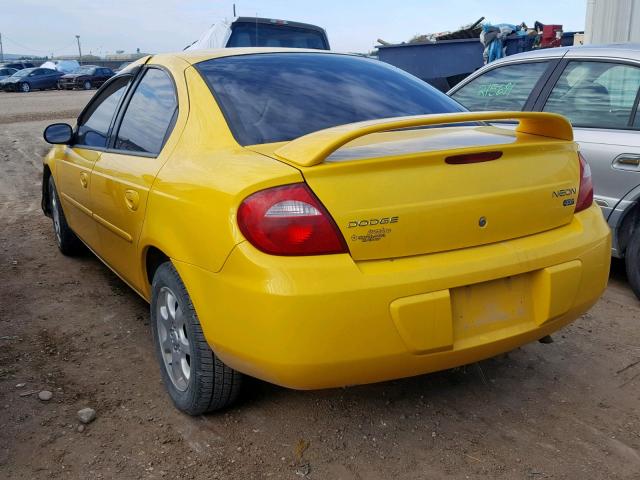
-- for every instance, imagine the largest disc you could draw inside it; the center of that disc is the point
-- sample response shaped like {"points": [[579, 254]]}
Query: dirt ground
{"points": [[566, 410]]}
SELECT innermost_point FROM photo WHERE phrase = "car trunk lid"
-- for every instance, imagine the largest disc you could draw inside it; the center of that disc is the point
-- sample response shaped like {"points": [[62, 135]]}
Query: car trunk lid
{"points": [[409, 192]]}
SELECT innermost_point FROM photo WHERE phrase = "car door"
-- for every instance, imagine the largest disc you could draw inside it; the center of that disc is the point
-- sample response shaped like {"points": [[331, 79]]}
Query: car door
{"points": [[49, 79], [36, 78], [123, 175], [599, 97], [73, 170], [103, 76]]}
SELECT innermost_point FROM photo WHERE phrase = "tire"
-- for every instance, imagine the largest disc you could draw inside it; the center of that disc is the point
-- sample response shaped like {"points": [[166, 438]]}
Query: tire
{"points": [[632, 262], [86, 85], [68, 243], [197, 381], [25, 87]]}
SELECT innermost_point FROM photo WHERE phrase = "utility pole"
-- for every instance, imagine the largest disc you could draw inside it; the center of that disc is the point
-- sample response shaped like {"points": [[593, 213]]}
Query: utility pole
{"points": [[234, 10], [79, 49], [1, 50]]}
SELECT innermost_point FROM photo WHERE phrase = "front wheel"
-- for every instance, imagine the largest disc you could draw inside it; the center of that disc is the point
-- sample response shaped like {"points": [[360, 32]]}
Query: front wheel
{"points": [[25, 87], [196, 379], [86, 85], [632, 262], [68, 243]]}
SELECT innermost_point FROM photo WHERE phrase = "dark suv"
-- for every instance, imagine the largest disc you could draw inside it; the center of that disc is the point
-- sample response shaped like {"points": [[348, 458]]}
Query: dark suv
{"points": [[17, 65], [86, 77]]}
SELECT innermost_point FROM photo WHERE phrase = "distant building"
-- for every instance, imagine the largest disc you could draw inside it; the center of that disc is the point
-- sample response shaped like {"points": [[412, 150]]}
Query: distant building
{"points": [[612, 21], [85, 58]]}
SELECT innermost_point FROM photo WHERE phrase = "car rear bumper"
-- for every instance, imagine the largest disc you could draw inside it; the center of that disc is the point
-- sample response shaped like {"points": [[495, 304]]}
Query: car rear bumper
{"points": [[326, 321]]}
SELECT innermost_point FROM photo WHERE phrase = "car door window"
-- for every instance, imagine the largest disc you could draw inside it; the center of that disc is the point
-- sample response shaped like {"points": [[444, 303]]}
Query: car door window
{"points": [[93, 127], [595, 94], [502, 88], [149, 115]]}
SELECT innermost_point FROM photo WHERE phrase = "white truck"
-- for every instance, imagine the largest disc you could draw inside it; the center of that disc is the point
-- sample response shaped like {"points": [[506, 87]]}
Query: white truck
{"points": [[262, 32]]}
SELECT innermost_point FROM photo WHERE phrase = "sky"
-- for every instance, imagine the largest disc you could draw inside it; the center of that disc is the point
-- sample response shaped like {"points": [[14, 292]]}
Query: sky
{"points": [[169, 25]]}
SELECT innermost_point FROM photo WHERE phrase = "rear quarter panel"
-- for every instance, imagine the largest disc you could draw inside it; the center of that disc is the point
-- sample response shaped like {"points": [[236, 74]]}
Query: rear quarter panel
{"points": [[192, 206]]}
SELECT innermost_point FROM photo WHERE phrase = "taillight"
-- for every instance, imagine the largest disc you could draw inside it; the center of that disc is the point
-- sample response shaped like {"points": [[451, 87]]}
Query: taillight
{"points": [[585, 194], [289, 220]]}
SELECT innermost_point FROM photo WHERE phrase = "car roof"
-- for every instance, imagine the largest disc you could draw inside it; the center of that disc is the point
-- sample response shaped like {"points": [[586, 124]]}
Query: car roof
{"points": [[196, 56], [613, 50]]}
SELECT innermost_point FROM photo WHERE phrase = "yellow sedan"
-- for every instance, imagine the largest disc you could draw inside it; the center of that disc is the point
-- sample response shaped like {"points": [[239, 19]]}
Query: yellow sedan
{"points": [[319, 220]]}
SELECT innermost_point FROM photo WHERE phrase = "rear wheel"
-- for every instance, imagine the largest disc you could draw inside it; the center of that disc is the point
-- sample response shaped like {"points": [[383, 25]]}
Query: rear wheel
{"points": [[25, 87], [68, 242], [632, 262], [197, 380]]}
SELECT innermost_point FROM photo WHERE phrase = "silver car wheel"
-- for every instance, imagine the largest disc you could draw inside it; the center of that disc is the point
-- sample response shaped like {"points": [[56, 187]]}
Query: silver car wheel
{"points": [[174, 342], [56, 218], [25, 87]]}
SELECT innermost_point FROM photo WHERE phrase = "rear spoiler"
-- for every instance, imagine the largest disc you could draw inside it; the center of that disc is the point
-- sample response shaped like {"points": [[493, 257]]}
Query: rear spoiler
{"points": [[314, 148]]}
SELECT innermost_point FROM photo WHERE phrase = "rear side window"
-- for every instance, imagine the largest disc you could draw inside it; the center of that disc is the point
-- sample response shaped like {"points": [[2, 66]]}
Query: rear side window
{"points": [[94, 125], [502, 88], [258, 34], [149, 115], [596, 94], [281, 96]]}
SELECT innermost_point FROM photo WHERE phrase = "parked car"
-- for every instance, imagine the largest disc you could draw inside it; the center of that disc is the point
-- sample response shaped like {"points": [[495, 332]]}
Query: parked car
{"points": [[86, 77], [17, 65], [262, 32], [6, 72], [29, 79], [288, 216], [597, 88]]}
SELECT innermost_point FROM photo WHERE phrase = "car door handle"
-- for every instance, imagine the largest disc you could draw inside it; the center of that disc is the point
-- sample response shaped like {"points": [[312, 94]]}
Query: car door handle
{"points": [[627, 161], [132, 199], [84, 179]]}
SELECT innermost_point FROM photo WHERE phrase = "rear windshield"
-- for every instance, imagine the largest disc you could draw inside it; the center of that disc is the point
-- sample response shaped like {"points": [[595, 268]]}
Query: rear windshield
{"points": [[281, 96], [250, 34]]}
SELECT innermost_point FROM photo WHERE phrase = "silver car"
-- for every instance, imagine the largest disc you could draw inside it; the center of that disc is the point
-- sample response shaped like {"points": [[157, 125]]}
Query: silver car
{"points": [[598, 89]]}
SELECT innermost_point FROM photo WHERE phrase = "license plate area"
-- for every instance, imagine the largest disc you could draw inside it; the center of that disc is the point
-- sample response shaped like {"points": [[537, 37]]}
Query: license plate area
{"points": [[487, 307]]}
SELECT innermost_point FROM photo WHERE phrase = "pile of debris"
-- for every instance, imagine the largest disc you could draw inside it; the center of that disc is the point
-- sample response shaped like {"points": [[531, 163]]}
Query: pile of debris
{"points": [[493, 37]]}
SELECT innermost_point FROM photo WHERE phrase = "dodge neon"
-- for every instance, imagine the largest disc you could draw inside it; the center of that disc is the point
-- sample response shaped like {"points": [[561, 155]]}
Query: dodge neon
{"points": [[319, 220]]}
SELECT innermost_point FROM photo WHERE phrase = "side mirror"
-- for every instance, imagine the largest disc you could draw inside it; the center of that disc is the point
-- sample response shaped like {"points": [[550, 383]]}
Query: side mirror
{"points": [[58, 133]]}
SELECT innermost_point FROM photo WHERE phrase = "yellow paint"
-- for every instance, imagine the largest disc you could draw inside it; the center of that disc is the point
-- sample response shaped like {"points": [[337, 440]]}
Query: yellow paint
{"points": [[424, 321], [436, 291], [555, 288], [313, 148]]}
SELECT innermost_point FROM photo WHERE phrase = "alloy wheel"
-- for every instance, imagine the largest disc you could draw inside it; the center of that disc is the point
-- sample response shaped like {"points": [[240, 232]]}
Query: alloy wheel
{"points": [[175, 345], [56, 217]]}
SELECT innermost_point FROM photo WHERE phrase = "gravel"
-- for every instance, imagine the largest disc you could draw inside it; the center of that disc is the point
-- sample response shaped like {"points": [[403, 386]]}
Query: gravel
{"points": [[45, 395], [86, 415]]}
